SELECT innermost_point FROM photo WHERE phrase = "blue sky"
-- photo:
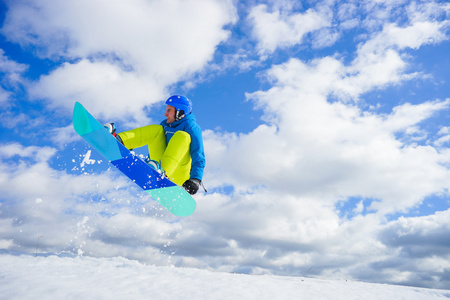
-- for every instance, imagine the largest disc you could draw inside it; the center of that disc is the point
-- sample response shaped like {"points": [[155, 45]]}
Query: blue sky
{"points": [[326, 130]]}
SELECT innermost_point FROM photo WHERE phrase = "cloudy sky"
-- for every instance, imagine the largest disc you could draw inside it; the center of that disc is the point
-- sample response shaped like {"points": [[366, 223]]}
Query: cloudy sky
{"points": [[326, 128]]}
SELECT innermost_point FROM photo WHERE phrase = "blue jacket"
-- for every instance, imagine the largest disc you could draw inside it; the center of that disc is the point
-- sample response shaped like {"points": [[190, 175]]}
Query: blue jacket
{"points": [[189, 125]]}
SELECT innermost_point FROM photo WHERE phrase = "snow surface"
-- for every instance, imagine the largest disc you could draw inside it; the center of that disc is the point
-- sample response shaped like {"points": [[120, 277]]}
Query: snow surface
{"points": [[56, 277]]}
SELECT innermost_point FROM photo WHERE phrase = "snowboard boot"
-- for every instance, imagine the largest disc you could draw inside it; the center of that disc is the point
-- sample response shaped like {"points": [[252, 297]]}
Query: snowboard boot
{"points": [[154, 165]]}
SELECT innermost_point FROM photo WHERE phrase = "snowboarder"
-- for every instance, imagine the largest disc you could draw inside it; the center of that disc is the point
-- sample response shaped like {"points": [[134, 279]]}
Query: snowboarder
{"points": [[175, 146]]}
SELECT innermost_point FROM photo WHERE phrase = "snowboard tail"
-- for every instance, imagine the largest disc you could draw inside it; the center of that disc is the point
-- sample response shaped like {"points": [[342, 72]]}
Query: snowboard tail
{"points": [[173, 197]]}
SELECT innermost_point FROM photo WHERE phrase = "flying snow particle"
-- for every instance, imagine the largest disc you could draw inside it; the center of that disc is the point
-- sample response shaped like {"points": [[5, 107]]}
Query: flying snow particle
{"points": [[87, 159]]}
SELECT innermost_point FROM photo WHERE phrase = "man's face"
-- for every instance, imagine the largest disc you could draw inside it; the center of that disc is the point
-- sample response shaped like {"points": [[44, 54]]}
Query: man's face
{"points": [[170, 114]]}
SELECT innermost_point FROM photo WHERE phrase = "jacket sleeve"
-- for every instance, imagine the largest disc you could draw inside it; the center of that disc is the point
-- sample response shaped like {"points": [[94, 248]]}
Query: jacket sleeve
{"points": [[197, 151]]}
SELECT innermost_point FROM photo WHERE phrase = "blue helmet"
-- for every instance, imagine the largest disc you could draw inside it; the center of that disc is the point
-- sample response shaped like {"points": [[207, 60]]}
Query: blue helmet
{"points": [[182, 104]]}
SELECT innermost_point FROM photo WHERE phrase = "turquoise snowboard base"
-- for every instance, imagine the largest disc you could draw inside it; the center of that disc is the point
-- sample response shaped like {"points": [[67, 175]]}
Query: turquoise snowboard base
{"points": [[173, 197]]}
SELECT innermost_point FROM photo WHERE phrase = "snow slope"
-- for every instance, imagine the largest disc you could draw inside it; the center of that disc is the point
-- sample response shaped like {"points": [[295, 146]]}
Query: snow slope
{"points": [[55, 277]]}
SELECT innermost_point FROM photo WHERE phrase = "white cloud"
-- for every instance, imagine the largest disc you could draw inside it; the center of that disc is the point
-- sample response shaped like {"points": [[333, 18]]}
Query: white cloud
{"points": [[104, 88], [413, 36], [378, 62], [325, 38], [16, 149], [444, 137], [60, 208], [281, 26], [125, 54], [11, 77], [290, 174], [334, 149], [423, 238], [10, 67], [407, 115], [313, 147], [279, 29], [419, 12], [63, 135]]}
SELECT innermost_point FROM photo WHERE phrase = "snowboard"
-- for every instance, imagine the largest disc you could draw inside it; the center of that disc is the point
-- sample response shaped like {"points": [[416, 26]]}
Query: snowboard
{"points": [[170, 195]]}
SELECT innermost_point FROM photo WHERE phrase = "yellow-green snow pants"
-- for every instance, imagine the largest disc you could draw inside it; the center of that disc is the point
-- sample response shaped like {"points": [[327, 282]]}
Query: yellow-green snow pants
{"points": [[174, 157]]}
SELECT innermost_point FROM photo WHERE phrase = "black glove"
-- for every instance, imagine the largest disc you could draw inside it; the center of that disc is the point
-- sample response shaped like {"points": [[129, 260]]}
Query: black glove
{"points": [[192, 185]]}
